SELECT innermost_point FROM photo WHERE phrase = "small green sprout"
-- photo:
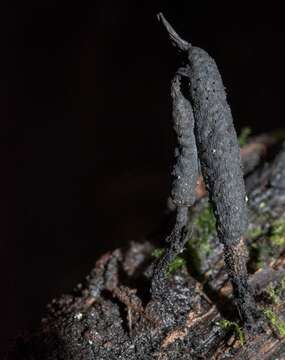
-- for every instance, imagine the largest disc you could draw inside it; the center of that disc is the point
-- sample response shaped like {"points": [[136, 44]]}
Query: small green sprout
{"points": [[274, 321], [233, 326], [176, 264], [243, 137], [158, 253]]}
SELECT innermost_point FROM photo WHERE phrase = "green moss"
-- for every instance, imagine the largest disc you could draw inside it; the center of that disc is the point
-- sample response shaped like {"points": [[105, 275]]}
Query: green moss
{"points": [[277, 233], [282, 285], [258, 253], [204, 226], [243, 136], [176, 264], [254, 232], [267, 242], [233, 326], [273, 294], [158, 252], [275, 322], [206, 222]]}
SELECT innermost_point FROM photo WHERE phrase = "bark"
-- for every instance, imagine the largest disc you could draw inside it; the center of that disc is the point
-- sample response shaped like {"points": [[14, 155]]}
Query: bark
{"points": [[113, 314]]}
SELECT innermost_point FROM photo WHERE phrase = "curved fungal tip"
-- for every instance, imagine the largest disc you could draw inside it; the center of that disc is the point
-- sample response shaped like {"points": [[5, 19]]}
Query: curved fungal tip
{"points": [[174, 37], [159, 16]]}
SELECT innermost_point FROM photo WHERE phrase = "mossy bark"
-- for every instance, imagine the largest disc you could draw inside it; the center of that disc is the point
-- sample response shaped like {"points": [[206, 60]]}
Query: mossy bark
{"points": [[113, 315]]}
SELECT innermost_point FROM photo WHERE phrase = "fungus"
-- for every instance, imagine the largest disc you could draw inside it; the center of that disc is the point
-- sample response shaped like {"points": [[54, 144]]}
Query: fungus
{"points": [[205, 131], [185, 176]]}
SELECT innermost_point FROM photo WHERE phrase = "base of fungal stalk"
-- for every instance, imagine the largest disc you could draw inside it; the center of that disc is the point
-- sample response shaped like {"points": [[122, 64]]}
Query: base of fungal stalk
{"points": [[236, 258]]}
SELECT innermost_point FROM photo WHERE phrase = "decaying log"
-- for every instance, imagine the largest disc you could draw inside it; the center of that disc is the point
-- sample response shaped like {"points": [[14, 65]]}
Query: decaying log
{"points": [[112, 314]]}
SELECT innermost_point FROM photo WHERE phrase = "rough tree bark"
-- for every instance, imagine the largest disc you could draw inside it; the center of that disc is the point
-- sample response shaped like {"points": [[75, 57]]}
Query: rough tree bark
{"points": [[113, 315]]}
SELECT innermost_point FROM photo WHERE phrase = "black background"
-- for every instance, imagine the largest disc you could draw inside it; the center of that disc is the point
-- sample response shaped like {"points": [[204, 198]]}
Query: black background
{"points": [[86, 137]]}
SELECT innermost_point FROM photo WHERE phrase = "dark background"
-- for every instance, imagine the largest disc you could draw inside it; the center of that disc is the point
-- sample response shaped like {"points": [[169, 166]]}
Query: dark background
{"points": [[86, 137]]}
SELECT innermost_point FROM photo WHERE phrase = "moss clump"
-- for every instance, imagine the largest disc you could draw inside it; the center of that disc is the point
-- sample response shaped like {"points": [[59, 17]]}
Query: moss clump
{"points": [[274, 293], [275, 321], [267, 242], [158, 253], [281, 285], [233, 326], [277, 233], [206, 222], [258, 247], [254, 232], [259, 254], [204, 226], [176, 264], [244, 135]]}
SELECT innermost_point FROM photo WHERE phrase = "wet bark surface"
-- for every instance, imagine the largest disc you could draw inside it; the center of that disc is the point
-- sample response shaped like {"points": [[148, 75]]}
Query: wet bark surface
{"points": [[114, 315]]}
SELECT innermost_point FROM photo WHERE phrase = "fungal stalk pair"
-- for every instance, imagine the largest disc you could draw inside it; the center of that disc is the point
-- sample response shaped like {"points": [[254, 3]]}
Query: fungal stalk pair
{"points": [[206, 135]]}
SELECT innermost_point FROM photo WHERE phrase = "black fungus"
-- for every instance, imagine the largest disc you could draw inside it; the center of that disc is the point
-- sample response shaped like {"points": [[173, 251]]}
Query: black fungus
{"points": [[185, 175], [218, 148], [219, 156], [185, 171]]}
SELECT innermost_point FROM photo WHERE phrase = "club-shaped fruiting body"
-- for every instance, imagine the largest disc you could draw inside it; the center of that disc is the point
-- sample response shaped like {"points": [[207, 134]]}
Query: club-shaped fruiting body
{"points": [[185, 170], [185, 175], [216, 139], [219, 155], [218, 148]]}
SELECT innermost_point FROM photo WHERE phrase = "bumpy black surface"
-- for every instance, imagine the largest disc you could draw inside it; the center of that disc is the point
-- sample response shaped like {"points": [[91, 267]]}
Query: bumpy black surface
{"points": [[185, 175], [186, 168], [218, 147], [219, 155]]}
